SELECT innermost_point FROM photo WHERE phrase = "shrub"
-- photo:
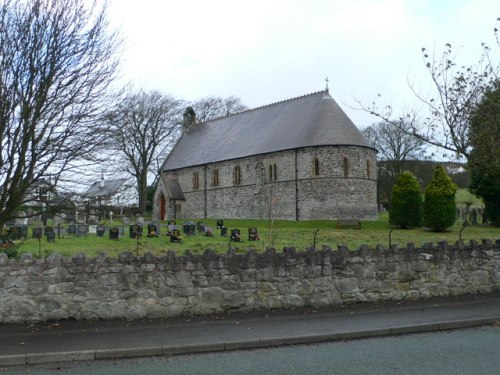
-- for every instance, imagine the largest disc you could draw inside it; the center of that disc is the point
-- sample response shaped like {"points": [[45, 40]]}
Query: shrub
{"points": [[440, 210], [406, 202]]}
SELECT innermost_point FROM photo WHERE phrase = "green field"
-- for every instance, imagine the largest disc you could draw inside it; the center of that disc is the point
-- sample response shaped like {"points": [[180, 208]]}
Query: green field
{"points": [[277, 234]]}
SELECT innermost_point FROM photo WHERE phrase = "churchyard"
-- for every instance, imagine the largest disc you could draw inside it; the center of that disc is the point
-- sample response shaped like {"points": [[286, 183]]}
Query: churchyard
{"points": [[277, 234]]}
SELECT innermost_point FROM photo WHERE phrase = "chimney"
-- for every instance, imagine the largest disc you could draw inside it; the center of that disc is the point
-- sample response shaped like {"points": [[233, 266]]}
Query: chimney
{"points": [[189, 119]]}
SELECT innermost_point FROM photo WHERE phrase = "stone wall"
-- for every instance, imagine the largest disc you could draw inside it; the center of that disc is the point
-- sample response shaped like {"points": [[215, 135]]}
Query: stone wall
{"points": [[344, 186], [158, 287]]}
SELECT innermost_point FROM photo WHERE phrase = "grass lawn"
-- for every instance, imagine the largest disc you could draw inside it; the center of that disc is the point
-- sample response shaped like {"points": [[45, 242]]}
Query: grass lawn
{"points": [[282, 233]]}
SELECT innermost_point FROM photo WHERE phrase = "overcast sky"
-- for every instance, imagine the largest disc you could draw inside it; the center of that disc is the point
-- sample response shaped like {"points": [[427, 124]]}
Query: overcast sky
{"points": [[264, 51]]}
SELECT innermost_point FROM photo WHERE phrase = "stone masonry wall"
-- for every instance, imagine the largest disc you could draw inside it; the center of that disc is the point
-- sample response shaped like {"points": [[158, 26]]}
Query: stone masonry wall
{"points": [[296, 192], [158, 287]]}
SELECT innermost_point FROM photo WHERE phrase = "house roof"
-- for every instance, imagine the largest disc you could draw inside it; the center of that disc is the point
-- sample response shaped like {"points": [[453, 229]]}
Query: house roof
{"points": [[310, 120], [105, 188]]}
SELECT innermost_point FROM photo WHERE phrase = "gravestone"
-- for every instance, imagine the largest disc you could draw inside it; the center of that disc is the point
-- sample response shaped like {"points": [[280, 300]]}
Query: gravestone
{"points": [[135, 231], [223, 231], [235, 235], [114, 233], [72, 229], [200, 226], [100, 230], [220, 224], [189, 228], [82, 230], [152, 230], [37, 232], [51, 237], [252, 234]]}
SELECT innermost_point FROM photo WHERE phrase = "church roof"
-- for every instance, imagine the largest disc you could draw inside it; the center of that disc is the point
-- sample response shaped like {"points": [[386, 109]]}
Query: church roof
{"points": [[310, 120]]}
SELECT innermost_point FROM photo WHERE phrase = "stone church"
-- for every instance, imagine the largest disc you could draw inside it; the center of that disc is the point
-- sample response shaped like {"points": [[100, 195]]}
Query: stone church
{"points": [[299, 159]]}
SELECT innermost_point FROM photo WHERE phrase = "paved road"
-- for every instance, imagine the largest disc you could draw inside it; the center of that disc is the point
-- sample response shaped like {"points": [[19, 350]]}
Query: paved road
{"points": [[468, 351], [72, 340]]}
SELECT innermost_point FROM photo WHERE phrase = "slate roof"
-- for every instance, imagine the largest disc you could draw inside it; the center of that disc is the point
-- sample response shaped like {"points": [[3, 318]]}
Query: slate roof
{"points": [[111, 187], [174, 188], [310, 120]]}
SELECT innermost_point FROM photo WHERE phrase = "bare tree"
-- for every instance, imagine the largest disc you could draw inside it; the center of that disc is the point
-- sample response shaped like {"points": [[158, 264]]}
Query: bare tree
{"points": [[143, 127], [212, 107], [395, 145], [442, 117], [57, 59]]}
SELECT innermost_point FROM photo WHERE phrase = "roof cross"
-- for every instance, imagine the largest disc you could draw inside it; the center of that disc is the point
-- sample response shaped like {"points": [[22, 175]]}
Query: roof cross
{"points": [[326, 80]]}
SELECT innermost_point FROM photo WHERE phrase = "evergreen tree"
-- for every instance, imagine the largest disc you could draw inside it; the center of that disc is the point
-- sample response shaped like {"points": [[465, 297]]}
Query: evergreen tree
{"points": [[406, 202], [440, 209], [484, 161]]}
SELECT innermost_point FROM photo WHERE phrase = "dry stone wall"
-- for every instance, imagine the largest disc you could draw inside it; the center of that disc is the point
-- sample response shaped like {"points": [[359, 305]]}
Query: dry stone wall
{"points": [[132, 287]]}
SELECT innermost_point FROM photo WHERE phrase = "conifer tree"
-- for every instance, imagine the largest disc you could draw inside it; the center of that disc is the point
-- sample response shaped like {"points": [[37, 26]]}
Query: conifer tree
{"points": [[406, 202], [439, 206]]}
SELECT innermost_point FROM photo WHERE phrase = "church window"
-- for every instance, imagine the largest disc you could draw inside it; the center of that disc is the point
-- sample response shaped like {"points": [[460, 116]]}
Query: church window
{"points": [[346, 167], [215, 178], [368, 169], [273, 172], [316, 166], [237, 175], [196, 181]]}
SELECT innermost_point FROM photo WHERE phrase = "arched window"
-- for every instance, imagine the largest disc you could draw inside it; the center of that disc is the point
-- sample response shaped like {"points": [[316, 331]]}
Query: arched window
{"points": [[346, 167], [215, 178], [196, 181], [368, 169], [237, 175], [316, 166], [273, 172]]}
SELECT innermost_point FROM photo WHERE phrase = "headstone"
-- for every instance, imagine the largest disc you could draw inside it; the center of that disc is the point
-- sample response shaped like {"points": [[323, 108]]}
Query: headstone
{"points": [[223, 231], [24, 231], [92, 229], [220, 224], [37, 232], [152, 230], [51, 237], [175, 236], [135, 231], [72, 229], [100, 230], [82, 230], [171, 228], [114, 233], [235, 235], [139, 220], [200, 226], [252, 234], [189, 228]]}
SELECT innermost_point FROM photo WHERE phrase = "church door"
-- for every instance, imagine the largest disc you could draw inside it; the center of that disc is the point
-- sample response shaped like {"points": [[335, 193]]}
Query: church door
{"points": [[163, 205]]}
